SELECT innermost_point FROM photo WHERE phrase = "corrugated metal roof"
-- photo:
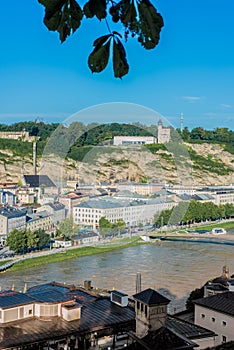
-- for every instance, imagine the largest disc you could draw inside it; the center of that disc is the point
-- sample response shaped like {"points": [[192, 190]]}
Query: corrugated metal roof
{"points": [[222, 302], [10, 299], [99, 314], [53, 292], [189, 330]]}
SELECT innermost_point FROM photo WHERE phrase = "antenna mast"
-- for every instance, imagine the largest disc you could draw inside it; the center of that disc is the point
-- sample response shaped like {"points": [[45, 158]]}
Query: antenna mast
{"points": [[181, 121]]}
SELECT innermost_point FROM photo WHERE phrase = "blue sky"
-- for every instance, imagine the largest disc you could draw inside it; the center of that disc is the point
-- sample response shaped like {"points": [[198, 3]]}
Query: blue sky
{"points": [[190, 71]]}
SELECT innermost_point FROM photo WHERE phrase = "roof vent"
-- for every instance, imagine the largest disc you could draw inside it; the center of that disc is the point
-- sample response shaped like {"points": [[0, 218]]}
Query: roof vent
{"points": [[119, 298]]}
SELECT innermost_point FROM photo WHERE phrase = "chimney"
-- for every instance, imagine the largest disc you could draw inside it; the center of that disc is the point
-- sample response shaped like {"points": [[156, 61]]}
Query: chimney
{"points": [[87, 285], [138, 282], [35, 157], [25, 287], [226, 271], [13, 286]]}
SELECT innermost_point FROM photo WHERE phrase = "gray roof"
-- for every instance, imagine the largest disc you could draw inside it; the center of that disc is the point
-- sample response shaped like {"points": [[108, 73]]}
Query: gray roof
{"points": [[110, 202], [222, 302], [96, 313], [38, 181], [100, 204], [56, 292], [10, 299], [189, 330], [11, 212], [56, 206], [38, 215], [163, 338], [151, 297]]}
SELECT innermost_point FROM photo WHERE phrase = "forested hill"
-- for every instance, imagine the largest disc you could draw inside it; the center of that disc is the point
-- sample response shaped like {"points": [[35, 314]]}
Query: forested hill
{"points": [[96, 134]]}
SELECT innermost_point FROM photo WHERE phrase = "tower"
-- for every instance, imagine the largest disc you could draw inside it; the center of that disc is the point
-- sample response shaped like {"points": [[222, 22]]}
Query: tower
{"points": [[164, 134], [151, 311], [181, 121]]}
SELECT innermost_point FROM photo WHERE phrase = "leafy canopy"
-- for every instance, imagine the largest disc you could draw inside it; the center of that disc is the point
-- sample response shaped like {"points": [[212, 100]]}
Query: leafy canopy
{"points": [[137, 18]]}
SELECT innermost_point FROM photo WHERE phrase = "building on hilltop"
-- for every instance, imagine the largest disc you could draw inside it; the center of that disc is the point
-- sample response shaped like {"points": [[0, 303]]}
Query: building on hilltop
{"points": [[164, 136], [17, 135], [133, 140]]}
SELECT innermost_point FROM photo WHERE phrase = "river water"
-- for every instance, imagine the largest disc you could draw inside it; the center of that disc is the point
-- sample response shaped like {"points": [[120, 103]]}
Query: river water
{"points": [[178, 267]]}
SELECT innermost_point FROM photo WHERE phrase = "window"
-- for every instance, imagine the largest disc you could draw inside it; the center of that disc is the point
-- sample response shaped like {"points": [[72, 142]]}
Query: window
{"points": [[203, 316], [212, 319], [224, 323], [224, 339]]}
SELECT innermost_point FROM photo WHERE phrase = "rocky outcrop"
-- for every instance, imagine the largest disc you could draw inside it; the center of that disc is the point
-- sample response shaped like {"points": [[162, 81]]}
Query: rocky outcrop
{"points": [[111, 164]]}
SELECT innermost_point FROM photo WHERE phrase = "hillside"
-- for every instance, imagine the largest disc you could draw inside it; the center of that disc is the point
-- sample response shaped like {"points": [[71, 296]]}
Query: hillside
{"points": [[200, 163]]}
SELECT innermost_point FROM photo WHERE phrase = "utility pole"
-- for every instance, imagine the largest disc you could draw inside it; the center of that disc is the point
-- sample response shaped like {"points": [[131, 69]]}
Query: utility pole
{"points": [[35, 157]]}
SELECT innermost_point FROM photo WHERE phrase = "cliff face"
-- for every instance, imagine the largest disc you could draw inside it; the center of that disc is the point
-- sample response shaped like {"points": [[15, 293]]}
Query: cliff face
{"points": [[199, 164]]}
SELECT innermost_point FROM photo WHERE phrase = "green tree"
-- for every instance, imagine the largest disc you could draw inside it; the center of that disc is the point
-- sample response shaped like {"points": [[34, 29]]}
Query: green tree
{"points": [[195, 294], [42, 237], [17, 240], [66, 228], [138, 19], [229, 210], [105, 226], [185, 134], [32, 239], [118, 226], [162, 218]]}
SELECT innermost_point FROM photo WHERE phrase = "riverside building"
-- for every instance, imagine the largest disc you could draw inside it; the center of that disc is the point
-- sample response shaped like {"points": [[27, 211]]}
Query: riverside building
{"points": [[132, 212]]}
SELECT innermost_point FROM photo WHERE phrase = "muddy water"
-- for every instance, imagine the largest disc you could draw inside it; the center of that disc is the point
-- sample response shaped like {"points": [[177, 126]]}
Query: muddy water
{"points": [[175, 266]]}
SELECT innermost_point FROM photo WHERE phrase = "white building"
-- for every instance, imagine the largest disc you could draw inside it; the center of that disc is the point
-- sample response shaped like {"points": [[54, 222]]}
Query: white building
{"points": [[132, 212], [11, 218], [221, 194], [216, 313], [57, 211], [133, 140]]}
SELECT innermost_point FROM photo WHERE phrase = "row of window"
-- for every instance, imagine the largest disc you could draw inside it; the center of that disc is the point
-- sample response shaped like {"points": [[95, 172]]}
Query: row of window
{"points": [[224, 323]]}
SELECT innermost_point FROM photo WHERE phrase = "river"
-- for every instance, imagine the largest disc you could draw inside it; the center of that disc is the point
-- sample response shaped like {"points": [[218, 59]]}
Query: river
{"points": [[175, 266]]}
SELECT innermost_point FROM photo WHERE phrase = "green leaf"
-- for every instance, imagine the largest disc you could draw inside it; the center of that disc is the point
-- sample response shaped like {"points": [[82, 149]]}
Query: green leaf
{"points": [[120, 64], [63, 16], [99, 57], [150, 24], [129, 14], [95, 8]]}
